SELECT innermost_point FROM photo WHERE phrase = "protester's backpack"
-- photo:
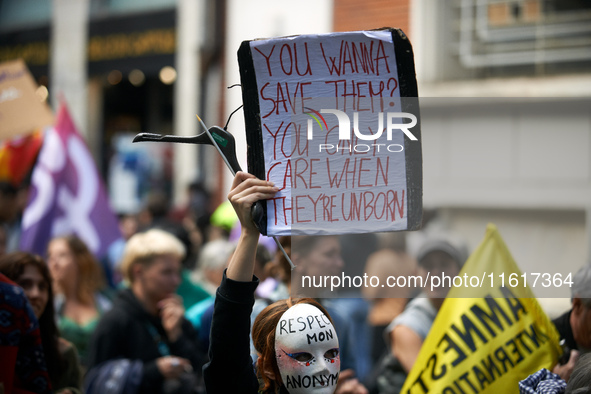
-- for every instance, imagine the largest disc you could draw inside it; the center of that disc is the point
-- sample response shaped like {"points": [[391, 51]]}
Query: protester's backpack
{"points": [[121, 376]]}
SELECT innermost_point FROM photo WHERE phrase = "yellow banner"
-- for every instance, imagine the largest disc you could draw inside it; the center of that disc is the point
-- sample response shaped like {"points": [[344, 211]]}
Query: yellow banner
{"points": [[489, 342]]}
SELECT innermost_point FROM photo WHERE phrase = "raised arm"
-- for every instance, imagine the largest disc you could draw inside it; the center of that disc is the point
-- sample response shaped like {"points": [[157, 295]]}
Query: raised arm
{"points": [[229, 347], [246, 190]]}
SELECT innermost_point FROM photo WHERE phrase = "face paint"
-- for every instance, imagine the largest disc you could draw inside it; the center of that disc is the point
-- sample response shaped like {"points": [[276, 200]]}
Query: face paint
{"points": [[307, 351]]}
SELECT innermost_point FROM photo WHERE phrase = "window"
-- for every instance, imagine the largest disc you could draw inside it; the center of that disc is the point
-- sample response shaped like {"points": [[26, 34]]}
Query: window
{"points": [[493, 38]]}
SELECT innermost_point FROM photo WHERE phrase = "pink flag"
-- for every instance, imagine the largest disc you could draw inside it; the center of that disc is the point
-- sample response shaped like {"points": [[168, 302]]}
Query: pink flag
{"points": [[67, 194]]}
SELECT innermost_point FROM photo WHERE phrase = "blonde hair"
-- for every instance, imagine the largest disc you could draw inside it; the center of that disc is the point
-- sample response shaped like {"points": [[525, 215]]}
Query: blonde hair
{"points": [[143, 248]]}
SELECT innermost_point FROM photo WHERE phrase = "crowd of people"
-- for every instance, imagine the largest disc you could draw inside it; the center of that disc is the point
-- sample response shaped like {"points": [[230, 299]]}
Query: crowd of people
{"points": [[195, 303]]}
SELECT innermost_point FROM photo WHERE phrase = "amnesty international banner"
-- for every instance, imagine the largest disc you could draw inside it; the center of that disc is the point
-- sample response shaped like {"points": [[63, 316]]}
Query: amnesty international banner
{"points": [[489, 342]]}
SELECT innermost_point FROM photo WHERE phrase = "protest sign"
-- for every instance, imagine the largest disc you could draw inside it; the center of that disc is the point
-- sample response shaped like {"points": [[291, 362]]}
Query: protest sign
{"points": [[21, 110], [490, 341], [333, 121], [67, 194]]}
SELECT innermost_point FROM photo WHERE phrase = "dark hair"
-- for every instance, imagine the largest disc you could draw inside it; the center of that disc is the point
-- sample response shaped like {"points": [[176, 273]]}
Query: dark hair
{"points": [[263, 337], [157, 204], [304, 244], [280, 268], [262, 256], [13, 266], [8, 189]]}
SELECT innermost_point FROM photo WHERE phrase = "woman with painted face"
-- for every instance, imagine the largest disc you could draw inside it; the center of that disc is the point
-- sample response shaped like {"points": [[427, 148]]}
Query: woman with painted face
{"points": [[30, 272], [295, 338]]}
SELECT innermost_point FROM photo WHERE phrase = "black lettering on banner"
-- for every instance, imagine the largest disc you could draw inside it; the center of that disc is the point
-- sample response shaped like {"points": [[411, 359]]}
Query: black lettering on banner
{"points": [[461, 356], [456, 383], [492, 317], [434, 375], [519, 337], [513, 302], [466, 336], [464, 377], [481, 376], [472, 330], [515, 350], [419, 380], [503, 358], [536, 337], [491, 367]]}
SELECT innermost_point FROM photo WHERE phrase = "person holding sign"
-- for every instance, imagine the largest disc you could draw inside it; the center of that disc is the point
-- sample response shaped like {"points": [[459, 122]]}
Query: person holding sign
{"points": [[295, 338]]}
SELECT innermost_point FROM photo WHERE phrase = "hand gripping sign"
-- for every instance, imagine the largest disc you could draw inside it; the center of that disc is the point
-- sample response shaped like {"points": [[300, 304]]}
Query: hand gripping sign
{"points": [[333, 120]]}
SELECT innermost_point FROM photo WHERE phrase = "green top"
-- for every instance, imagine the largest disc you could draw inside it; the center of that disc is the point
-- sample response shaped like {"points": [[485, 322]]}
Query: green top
{"points": [[78, 335], [190, 292]]}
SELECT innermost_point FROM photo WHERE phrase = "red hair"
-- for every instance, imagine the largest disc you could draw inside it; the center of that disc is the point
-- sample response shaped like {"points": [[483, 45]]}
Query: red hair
{"points": [[90, 274]]}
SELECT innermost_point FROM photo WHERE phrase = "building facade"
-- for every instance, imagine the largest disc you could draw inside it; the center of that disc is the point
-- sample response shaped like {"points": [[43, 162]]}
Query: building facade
{"points": [[505, 88]]}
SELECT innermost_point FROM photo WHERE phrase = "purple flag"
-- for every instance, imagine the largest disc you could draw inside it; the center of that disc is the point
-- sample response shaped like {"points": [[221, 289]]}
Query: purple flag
{"points": [[67, 194]]}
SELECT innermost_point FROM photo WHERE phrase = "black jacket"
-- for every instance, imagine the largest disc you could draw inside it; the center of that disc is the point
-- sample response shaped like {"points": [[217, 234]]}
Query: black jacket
{"points": [[230, 369], [124, 332], [565, 330]]}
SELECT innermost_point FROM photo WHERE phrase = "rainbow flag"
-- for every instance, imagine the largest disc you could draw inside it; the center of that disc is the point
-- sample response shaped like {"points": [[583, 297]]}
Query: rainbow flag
{"points": [[17, 157]]}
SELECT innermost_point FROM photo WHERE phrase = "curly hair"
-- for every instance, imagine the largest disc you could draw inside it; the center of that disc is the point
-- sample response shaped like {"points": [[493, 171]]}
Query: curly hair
{"points": [[263, 337], [13, 266]]}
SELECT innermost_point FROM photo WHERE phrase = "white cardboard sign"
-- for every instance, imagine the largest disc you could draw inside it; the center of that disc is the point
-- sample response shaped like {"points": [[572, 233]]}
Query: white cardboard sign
{"points": [[327, 123]]}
